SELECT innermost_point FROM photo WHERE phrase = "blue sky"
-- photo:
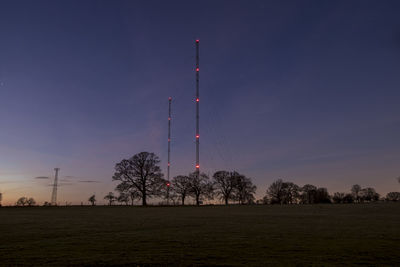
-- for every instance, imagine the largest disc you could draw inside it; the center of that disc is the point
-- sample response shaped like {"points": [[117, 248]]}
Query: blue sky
{"points": [[306, 91]]}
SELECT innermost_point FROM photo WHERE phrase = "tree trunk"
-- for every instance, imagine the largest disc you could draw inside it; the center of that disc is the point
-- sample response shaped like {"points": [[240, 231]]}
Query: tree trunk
{"points": [[226, 200], [144, 203], [198, 200], [183, 200]]}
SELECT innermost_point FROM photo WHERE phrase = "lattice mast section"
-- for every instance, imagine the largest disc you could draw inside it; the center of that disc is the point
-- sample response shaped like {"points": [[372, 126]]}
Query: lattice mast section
{"points": [[197, 109], [55, 185], [169, 147]]}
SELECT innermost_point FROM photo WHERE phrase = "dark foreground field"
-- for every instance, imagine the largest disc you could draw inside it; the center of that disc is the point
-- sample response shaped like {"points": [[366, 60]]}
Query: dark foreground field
{"points": [[366, 234]]}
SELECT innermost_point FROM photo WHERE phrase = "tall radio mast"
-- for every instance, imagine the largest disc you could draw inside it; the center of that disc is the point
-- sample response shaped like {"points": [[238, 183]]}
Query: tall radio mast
{"points": [[197, 109], [169, 146]]}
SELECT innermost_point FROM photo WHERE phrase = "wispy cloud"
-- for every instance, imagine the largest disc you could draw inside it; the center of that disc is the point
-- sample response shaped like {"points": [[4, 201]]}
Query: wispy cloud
{"points": [[42, 177], [8, 182], [89, 181]]}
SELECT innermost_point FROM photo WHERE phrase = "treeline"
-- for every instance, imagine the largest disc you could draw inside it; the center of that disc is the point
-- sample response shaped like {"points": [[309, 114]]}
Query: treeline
{"points": [[140, 177], [280, 192]]}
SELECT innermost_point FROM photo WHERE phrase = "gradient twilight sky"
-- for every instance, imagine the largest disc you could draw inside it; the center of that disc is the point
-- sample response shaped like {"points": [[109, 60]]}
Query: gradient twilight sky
{"points": [[307, 91]]}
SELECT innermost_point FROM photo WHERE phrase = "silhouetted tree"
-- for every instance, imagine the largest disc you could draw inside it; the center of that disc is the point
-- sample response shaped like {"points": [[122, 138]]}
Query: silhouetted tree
{"points": [[244, 190], [110, 197], [133, 195], [200, 187], [266, 200], [393, 196], [280, 192], [369, 194], [322, 196], [173, 197], [181, 186], [123, 198], [348, 198], [30, 202], [92, 200], [1, 198], [309, 194], [338, 197], [225, 183], [290, 193], [142, 173], [131, 192], [275, 192], [355, 190], [22, 201]]}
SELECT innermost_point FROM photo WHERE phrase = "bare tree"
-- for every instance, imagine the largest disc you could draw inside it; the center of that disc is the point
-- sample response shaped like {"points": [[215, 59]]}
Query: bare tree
{"points": [[181, 186], [22, 201], [30, 202], [355, 190], [309, 194], [225, 183], [322, 196], [131, 192], [1, 198], [280, 192], [348, 198], [142, 173], [244, 190], [393, 196], [123, 198], [92, 200], [290, 193], [338, 197], [369, 194], [200, 187], [110, 197], [275, 192]]}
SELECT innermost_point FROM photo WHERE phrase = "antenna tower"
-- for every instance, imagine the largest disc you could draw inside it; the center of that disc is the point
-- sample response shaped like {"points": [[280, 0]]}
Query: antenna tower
{"points": [[54, 193], [169, 146], [197, 109]]}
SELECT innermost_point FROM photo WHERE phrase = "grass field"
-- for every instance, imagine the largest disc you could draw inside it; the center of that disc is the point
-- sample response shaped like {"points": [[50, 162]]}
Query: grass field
{"points": [[365, 234]]}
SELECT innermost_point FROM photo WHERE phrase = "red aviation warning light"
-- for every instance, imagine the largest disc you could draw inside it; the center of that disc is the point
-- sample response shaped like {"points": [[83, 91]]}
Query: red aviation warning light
{"points": [[197, 166], [197, 136], [197, 100], [168, 184], [197, 40], [197, 69]]}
